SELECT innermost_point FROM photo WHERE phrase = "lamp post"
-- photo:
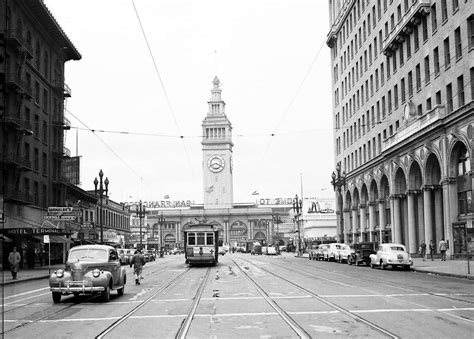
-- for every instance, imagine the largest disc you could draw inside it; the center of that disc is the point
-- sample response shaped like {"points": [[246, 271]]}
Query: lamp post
{"points": [[101, 192], [161, 222], [298, 209], [141, 211], [277, 221], [339, 181]]}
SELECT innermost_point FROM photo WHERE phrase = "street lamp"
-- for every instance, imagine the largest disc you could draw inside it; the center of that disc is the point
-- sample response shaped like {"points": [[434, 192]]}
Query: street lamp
{"points": [[277, 221], [161, 222], [141, 211], [298, 209], [101, 192], [339, 181]]}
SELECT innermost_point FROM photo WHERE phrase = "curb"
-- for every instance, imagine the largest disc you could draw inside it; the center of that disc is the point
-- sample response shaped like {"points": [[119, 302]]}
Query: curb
{"points": [[11, 282], [444, 274]]}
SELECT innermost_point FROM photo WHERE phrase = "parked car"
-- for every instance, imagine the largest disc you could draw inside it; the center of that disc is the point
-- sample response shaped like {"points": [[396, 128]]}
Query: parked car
{"points": [[330, 253], [270, 250], [343, 253], [313, 252], [362, 252], [123, 256], [392, 254], [282, 248], [89, 269], [152, 254], [149, 255], [321, 252]]}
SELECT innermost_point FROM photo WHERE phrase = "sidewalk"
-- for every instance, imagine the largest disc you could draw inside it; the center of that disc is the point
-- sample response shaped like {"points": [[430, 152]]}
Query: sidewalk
{"points": [[28, 274], [450, 268]]}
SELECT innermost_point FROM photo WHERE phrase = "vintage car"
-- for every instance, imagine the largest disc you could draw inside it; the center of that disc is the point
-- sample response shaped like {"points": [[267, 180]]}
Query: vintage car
{"points": [[362, 252], [343, 253], [330, 253], [322, 249], [392, 254], [89, 269], [256, 249], [270, 250]]}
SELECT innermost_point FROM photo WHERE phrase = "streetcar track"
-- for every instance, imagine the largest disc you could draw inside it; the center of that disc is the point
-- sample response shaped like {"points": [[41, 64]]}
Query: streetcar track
{"points": [[186, 323], [341, 309], [129, 314], [283, 314]]}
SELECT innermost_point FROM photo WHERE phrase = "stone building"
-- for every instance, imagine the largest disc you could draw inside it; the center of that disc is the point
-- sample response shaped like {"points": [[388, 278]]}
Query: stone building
{"points": [[402, 81]]}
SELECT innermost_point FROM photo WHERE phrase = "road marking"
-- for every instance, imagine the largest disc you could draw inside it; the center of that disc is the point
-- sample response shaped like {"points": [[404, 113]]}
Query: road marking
{"points": [[20, 294], [16, 301]]}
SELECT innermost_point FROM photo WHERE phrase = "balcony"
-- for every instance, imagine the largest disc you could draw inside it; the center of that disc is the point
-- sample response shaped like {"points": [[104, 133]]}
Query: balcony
{"points": [[62, 88], [14, 194], [15, 38], [17, 122], [404, 26], [61, 122], [14, 159], [13, 80]]}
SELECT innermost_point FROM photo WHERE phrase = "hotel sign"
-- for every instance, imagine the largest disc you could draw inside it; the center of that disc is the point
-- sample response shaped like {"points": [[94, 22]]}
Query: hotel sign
{"points": [[275, 201]]}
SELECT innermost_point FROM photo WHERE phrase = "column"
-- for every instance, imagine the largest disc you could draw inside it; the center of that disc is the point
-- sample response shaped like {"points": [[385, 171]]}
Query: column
{"points": [[439, 229], [421, 218], [397, 222], [355, 222], [412, 246], [363, 219], [372, 220], [381, 219], [347, 225], [428, 215], [450, 212]]}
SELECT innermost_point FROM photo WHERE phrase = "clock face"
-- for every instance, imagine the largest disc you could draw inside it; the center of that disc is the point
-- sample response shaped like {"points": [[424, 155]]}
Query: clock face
{"points": [[215, 163]]}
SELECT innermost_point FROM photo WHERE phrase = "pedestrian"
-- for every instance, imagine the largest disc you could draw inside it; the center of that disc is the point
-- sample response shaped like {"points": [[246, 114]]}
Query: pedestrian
{"points": [[423, 249], [14, 258], [432, 248], [138, 261], [442, 249]]}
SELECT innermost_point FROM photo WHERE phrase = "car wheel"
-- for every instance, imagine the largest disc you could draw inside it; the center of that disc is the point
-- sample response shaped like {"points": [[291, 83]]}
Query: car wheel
{"points": [[121, 291], [105, 294], [371, 265], [56, 297]]}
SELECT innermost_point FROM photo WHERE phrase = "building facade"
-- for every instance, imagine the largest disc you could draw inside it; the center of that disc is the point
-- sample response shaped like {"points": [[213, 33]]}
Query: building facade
{"points": [[402, 80], [33, 52]]}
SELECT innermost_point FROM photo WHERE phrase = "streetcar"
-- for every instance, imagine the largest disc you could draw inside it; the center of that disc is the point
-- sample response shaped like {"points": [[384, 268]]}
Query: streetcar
{"points": [[201, 244]]}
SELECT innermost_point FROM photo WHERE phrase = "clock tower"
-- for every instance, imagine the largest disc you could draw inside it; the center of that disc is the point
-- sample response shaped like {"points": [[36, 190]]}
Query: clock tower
{"points": [[217, 153]]}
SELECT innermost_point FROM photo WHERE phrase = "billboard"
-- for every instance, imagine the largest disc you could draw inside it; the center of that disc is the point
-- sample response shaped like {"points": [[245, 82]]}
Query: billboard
{"points": [[71, 169]]}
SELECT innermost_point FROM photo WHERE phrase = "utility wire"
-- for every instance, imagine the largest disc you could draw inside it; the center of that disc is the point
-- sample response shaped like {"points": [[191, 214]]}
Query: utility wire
{"points": [[162, 86]]}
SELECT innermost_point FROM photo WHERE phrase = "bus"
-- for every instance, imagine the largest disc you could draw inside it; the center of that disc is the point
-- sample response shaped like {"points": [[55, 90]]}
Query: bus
{"points": [[201, 244]]}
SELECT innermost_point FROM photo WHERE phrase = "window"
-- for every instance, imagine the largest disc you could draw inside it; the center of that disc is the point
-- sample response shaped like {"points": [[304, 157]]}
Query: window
{"points": [[200, 238], [434, 19], [418, 77], [470, 31], [209, 238], [455, 5], [424, 28], [45, 100], [399, 13], [45, 164], [27, 151], [376, 79], [410, 84], [37, 126], [37, 93], [428, 104], [375, 48], [36, 192], [394, 59], [419, 110], [457, 42], [408, 47], [436, 61], [472, 83], [45, 132], [427, 69], [389, 101], [395, 96], [402, 90], [191, 238], [449, 97], [460, 91], [447, 54], [416, 38], [36, 159], [438, 98], [444, 10], [400, 54], [382, 74], [384, 112]]}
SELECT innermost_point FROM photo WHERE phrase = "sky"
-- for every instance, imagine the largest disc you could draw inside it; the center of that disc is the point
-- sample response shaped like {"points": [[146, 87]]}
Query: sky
{"points": [[141, 124]]}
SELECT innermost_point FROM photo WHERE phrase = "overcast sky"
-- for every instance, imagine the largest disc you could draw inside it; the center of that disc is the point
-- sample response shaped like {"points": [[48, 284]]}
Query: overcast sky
{"points": [[263, 54]]}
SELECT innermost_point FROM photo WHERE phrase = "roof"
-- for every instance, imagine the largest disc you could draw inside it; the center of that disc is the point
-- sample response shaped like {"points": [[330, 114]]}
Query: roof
{"points": [[51, 26], [92, 247]]}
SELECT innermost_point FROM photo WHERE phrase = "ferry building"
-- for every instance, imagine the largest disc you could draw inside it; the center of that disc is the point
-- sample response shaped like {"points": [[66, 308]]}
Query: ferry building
{"points": [[269, 221]]}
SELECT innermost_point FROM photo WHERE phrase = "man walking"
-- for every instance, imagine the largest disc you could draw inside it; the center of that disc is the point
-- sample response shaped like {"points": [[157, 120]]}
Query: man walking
{"points": [[442, 249], [423, 249], [138, 260], [432, 249], [14, 259]]}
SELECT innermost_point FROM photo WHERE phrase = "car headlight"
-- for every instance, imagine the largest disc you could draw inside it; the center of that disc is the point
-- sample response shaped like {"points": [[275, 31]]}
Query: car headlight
{"points": [[96, 273], [59, 273]]}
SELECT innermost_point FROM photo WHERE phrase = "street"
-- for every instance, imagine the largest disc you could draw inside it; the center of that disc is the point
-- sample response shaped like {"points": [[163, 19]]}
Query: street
{"points": [[248, 296]]}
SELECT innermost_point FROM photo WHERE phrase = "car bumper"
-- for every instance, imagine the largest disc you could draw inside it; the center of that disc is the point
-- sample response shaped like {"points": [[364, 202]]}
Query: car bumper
{"points": [[68, 287]]}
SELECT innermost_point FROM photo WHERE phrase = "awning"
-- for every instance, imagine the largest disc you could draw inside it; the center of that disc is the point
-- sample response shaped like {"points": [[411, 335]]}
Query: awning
{"points": [[4, 238], [56, 239]]}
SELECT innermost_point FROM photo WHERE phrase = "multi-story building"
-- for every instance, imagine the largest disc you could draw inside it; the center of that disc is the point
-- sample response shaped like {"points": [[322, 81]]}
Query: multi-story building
{"points": [[33, 52], [402, 76]]}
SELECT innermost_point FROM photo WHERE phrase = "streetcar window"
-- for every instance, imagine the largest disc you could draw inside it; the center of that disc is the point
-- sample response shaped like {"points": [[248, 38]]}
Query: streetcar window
{"points": [[209, 238], [191, 238], [200, 238]]}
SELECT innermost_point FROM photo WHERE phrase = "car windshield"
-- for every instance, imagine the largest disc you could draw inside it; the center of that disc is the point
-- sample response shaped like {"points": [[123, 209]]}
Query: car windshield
{"points": [[396, 248], [88, 254]]}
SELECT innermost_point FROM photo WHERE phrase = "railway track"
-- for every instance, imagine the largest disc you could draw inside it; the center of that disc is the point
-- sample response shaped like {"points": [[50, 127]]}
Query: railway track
{"points": [[343, 310]]}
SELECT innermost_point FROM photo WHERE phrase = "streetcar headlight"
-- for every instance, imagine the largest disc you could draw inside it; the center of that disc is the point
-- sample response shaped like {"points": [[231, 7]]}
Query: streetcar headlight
{"points": [[59, 273], [96, 273]]}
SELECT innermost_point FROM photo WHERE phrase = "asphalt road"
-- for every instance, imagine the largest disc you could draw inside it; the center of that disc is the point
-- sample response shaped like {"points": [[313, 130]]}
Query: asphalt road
{"points": [[248, 296]]}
